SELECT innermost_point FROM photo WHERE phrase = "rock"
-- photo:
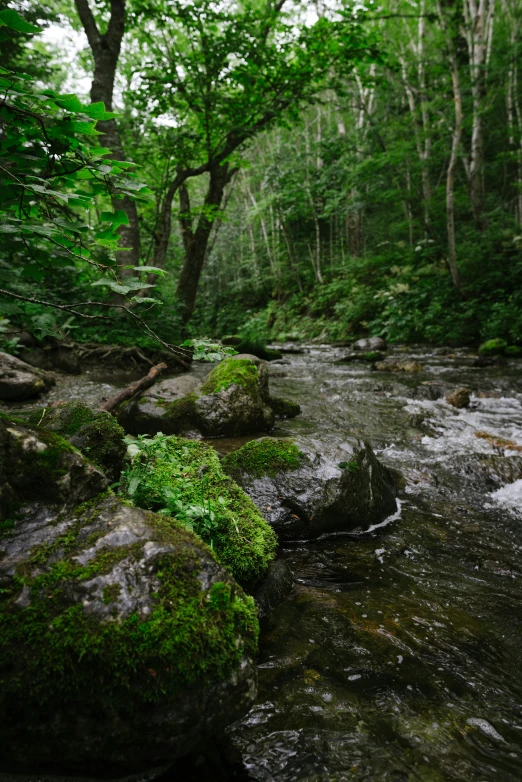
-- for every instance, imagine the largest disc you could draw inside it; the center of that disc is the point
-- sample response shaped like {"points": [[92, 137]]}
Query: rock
{"points": [[514, 351], [398, 365], [459, 398], [492, 472], [284, 408], [306, 488], [40, 466], [123, 643], [373, 355], [234, 399], [370, 344], [187, 477], [231, 340], [168, 407], [19, 380], [94, 432], [275, 587], [493, 347]]}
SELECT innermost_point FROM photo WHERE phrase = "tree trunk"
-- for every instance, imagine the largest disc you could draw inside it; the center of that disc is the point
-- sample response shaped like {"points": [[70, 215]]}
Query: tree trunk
{"points": [[197, 241], [105, 50]]}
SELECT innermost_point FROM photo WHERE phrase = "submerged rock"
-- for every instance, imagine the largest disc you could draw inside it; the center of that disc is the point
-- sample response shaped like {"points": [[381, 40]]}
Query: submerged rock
{"points": [[275, 587], [398, 365], [40, 466], [232, 400], [123, 643], [370, 344], [19, 380], [94, 432], [459, 398], [284, 408], [306, 488]]}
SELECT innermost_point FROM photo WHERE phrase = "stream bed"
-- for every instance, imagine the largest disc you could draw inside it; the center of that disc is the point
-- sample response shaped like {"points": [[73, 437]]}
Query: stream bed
{"points": [[398, 656]]}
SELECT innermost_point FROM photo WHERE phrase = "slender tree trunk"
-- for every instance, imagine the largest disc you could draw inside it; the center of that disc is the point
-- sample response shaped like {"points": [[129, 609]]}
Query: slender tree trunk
{"points": [[105, 50], [455, 145], [197, 241]]}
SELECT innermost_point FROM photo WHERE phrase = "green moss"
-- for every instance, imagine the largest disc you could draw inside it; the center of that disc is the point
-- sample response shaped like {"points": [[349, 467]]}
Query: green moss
{"points": [[284, 408], [352, 466], [513, 350], [240, 372], [54, 651], [267, 456], [241, 539], [493, 347]]}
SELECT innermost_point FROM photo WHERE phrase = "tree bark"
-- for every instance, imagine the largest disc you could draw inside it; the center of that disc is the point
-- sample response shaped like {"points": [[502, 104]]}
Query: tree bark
{"points": [[196, 242], [105, 48]]}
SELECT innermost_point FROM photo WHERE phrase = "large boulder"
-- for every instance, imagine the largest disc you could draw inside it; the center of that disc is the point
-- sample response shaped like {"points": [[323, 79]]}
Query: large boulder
{"points": [[306, 488], [37, 466], [185, 478], [94, 432], [19, 380], [232, 400], [123, 643]]}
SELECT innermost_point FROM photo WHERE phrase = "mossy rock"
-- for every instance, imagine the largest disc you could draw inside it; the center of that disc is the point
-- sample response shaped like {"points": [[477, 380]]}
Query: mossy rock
{"points": [[284, 408], [493, 347], [42, 467], [94, 432], [123, 643], [235, 399], [306, 488], [515, 351], [191, 470], [168, 407]]}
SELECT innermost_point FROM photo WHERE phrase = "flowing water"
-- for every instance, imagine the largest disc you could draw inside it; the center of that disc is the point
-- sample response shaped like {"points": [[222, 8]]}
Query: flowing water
{"points": [[398, 656]]}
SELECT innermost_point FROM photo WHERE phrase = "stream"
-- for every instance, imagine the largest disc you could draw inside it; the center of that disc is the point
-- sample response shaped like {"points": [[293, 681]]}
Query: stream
{"points": [[398, 655]]}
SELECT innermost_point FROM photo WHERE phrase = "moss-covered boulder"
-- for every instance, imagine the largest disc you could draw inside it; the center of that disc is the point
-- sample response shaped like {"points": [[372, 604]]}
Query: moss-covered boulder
{"points": [[306, 488], [123, 643], [185, 478], [493, 347], [232, 400], [94, 432], [37, 466], [284, 408], [19, 380]]}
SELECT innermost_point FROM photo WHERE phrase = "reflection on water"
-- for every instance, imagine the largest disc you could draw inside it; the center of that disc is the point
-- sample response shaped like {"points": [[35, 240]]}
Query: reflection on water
{"points": [[397, 657]]}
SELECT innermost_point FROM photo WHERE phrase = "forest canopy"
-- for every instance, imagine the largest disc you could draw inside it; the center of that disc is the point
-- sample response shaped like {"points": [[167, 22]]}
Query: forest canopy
{"points": [[280, 170]]}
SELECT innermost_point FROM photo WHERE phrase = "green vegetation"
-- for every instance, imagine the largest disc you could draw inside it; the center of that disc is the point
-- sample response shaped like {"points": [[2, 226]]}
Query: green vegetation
{"points": [[187, 640], [184, 479], [267, 456], [493, 347]]}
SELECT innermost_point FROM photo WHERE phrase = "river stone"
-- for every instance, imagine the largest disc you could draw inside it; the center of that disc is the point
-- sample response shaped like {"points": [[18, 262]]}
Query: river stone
{"points": [[338, 486], [232, 400], [275, 587], [370, 344], [19, 380], [492, 472], [398, 365], [167, 406], [123, 646], [459, 398], [40, 466]]}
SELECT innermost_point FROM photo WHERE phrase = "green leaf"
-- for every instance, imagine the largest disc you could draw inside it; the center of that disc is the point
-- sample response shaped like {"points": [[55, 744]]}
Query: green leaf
{"points": [[97, 111], [13, 20], [117, 218], [148, 269]]}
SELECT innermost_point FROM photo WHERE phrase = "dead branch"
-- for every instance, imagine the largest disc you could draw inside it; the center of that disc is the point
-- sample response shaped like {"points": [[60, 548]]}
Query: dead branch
{"points": [[112, 405]]}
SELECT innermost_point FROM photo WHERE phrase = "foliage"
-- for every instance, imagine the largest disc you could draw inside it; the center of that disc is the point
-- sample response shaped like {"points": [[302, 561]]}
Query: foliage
{"points": [[184, 479]]}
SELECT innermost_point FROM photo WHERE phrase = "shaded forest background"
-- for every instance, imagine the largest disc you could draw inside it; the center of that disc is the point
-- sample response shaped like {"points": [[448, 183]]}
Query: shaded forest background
{"points": [[320, 172]]}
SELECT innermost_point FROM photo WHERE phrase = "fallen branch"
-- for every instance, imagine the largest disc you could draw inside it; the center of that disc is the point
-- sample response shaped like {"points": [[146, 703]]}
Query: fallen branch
{"points": [[111, 406]]}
